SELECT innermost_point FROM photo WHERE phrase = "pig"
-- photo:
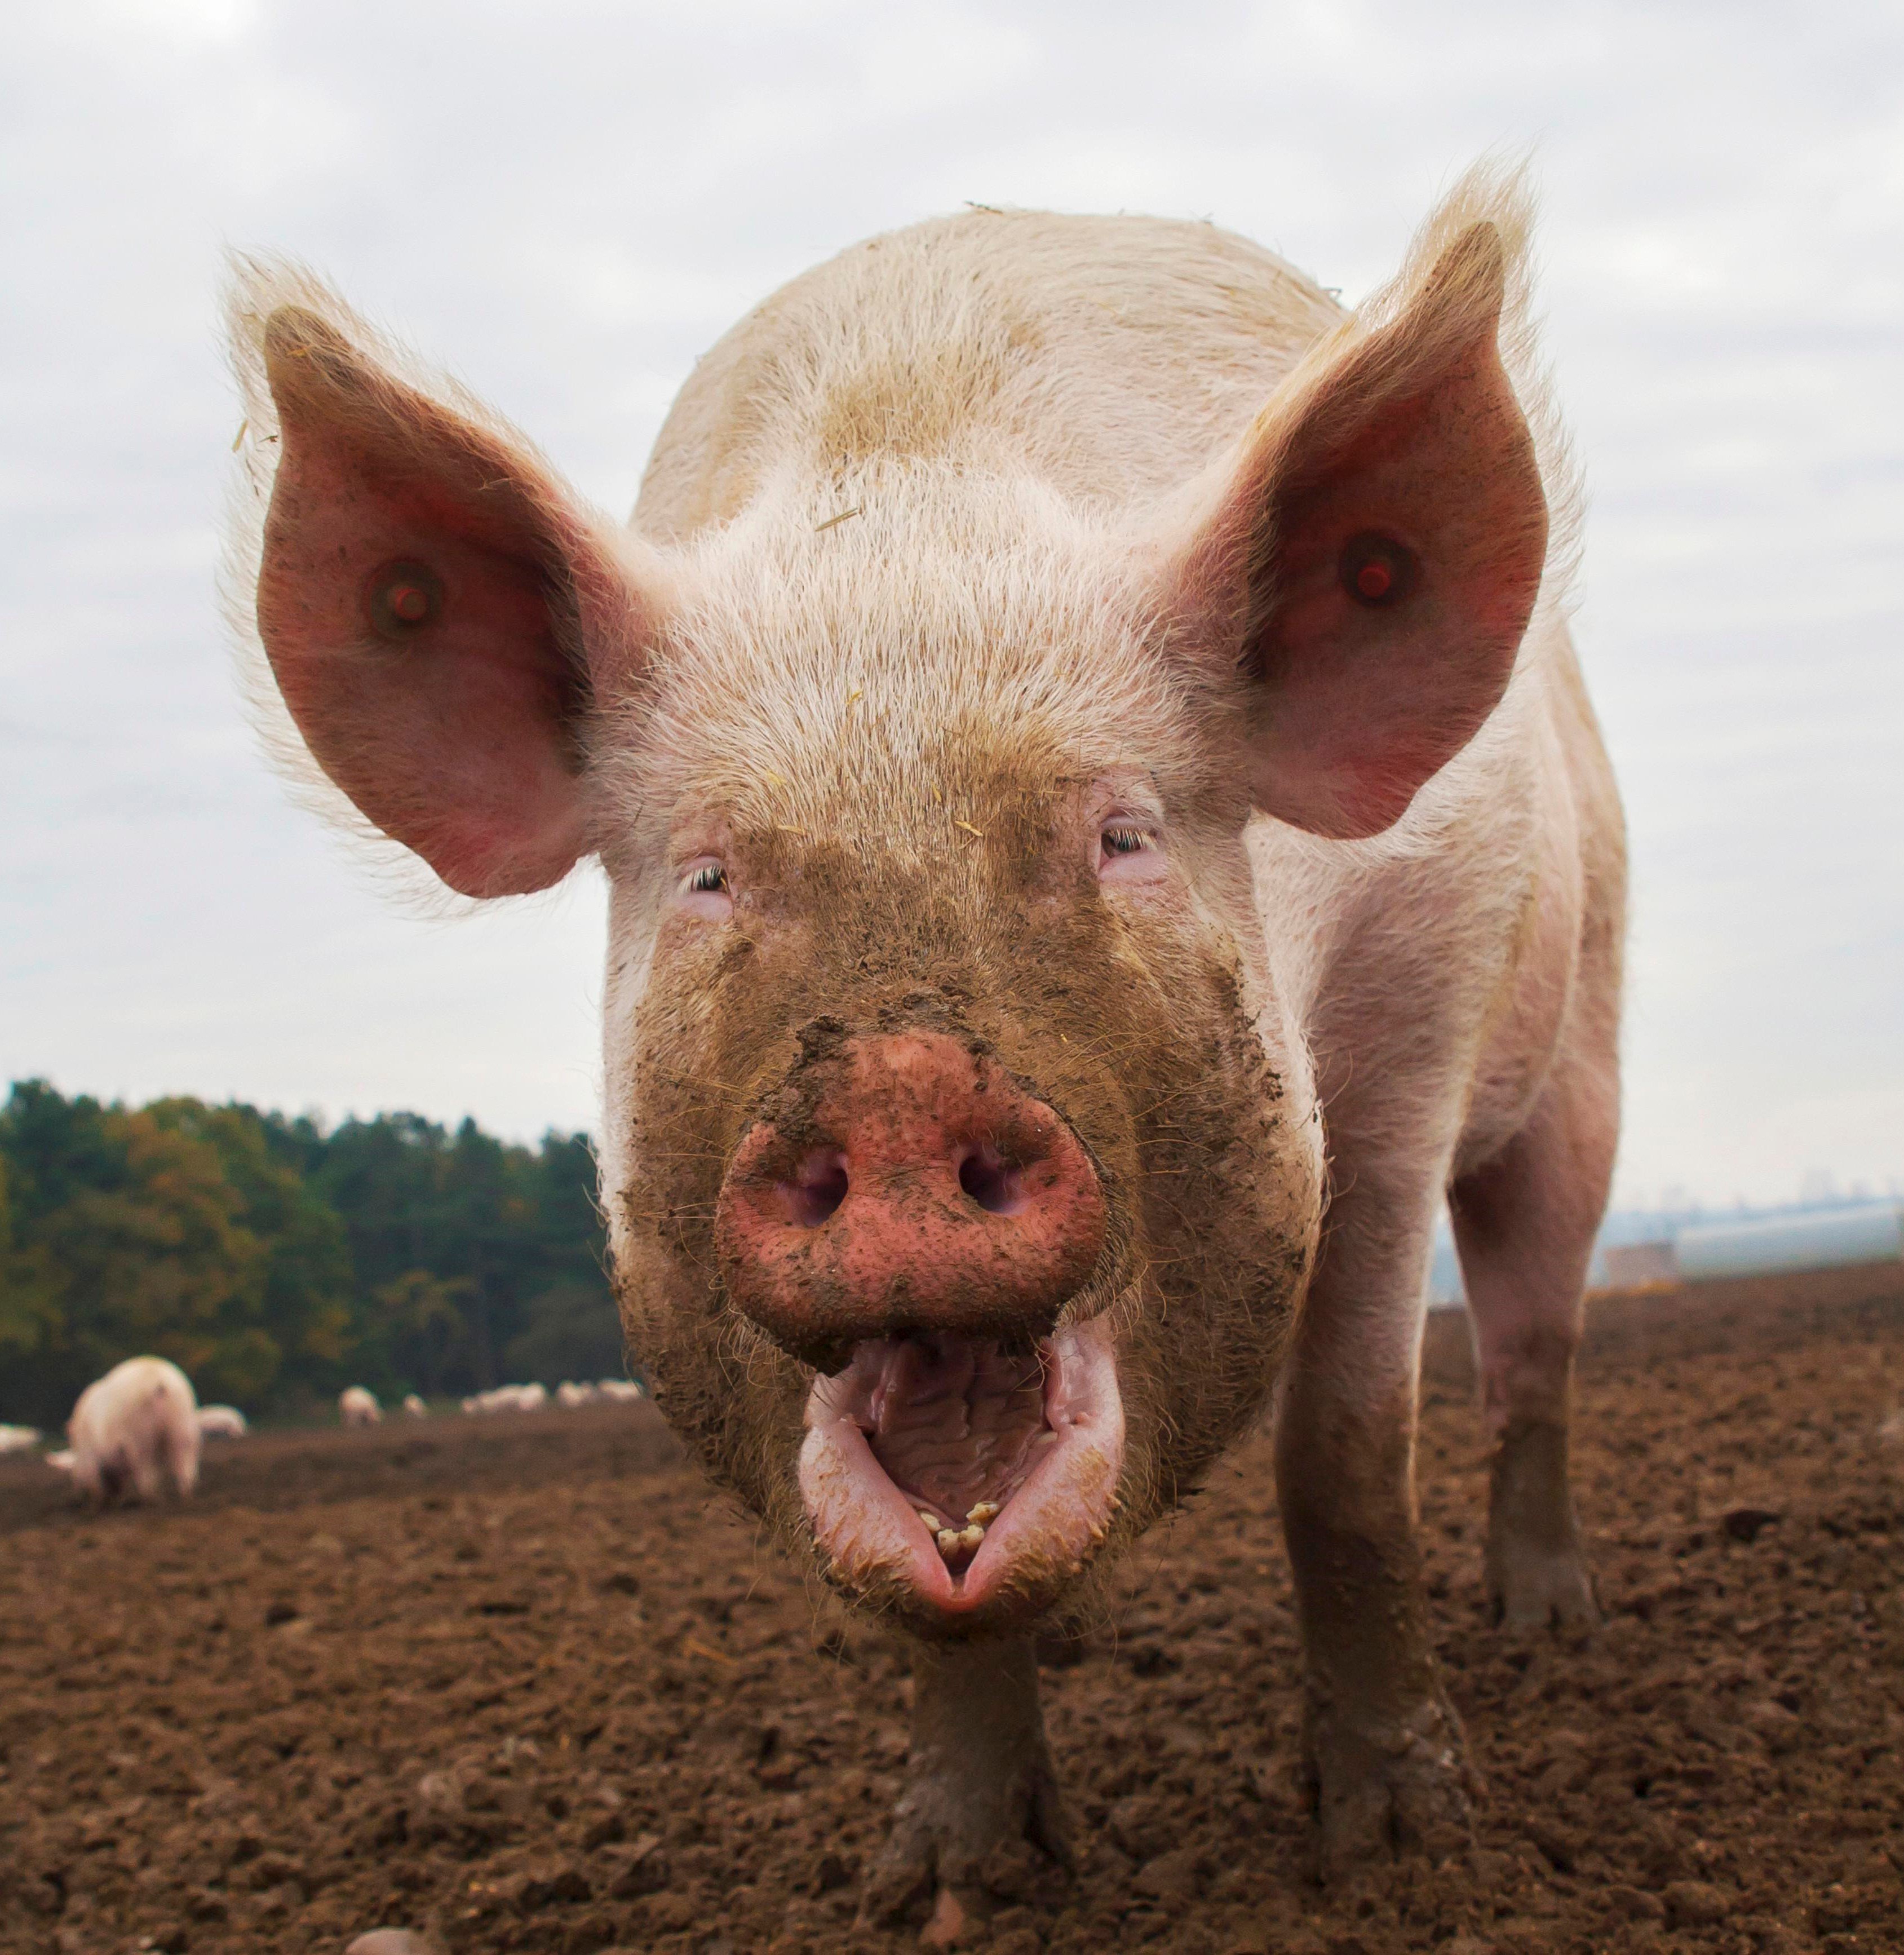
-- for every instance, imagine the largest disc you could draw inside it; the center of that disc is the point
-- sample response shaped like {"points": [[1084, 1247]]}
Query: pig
{"points": [[414, 1407], [132, 1430], [568, 1394], [508, 1398], [222, 1422], [18, 1438], [1104, 833], [357, 1405]]}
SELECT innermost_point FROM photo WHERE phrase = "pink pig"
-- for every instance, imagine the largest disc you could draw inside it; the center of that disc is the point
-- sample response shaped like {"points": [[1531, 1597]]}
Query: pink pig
{"points": [[133, 1429], [1104, 833]]}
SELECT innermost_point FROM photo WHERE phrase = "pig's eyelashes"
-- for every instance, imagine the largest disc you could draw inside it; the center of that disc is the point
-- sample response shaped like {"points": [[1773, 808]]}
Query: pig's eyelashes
{"points": [[1128, 853], [702, 888]]}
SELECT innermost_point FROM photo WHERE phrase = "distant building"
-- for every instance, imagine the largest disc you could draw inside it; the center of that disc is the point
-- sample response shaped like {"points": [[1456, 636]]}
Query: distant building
{"points": [[1640, 1265], [1819, 1239], [1638, 1250]]}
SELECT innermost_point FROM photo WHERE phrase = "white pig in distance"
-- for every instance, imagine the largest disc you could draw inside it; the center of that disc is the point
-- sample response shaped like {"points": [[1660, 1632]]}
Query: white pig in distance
{"points": [[133, 1430], [357, 1405]]}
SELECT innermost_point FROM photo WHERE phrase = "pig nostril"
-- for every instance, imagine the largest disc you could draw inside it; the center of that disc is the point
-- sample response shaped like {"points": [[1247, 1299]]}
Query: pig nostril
{"points": [[816, 1190], [984, 1176]]}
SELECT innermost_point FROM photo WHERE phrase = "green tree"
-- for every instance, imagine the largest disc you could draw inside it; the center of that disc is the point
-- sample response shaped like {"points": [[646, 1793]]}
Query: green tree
{"points": [[303, 1310], [422, 1332], [571, 1331], [142, 1241], [276, 1261], [29, 1311]]}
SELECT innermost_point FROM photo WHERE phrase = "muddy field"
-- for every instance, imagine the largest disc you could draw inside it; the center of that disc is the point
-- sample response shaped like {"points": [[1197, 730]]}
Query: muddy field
{"points": [[523, 1685]]}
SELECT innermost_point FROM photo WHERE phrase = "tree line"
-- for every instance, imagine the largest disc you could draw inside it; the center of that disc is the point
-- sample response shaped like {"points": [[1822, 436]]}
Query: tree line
{"points": [[276, 1261]]}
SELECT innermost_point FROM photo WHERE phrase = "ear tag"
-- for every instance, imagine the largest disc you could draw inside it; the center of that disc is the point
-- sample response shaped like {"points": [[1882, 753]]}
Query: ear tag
{"points": [[402, 599], [1377, 570]]}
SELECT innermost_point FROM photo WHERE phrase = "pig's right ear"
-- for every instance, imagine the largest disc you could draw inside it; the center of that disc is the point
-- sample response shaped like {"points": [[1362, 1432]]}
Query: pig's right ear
{"points": [[440, 612]]}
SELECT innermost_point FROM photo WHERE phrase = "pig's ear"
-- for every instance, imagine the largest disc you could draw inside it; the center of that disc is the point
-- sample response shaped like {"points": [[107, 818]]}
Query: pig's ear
{"points": [[440, 612], [1368, 562]]}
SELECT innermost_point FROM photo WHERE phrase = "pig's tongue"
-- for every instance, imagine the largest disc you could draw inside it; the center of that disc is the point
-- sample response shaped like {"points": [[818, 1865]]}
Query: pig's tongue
{"points": [[972, 1479]]}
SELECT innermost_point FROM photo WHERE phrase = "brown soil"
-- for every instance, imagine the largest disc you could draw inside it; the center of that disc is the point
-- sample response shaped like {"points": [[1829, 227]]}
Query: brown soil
{"points": [[523, 1683]]}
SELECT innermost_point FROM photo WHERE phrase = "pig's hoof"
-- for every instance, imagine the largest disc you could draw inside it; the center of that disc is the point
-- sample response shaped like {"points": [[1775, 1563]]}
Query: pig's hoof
{"points": [[958, 1858], [1384, 1788], [1530, 1589]]}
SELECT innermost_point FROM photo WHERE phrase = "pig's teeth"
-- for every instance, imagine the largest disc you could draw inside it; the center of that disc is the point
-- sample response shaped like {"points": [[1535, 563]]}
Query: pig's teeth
{"points": [[930, 1520], [986, 1510], [956, 1540]]}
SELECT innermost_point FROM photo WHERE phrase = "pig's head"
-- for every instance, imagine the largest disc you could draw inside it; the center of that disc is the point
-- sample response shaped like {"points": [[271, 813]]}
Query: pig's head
{"points": [[960, 1156]]}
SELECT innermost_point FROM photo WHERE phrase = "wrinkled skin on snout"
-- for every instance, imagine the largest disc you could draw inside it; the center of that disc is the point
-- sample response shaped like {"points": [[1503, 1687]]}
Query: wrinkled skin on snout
{"points": [[1011, 961]]}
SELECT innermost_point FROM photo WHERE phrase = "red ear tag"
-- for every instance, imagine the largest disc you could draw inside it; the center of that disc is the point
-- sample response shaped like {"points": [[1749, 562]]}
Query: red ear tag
{"points": [[1377, 572], [401, 598]]}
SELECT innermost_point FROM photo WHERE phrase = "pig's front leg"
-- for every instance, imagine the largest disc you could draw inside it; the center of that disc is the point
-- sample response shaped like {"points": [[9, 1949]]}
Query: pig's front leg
{"points": [[1383, 1750], [979, 1793]]}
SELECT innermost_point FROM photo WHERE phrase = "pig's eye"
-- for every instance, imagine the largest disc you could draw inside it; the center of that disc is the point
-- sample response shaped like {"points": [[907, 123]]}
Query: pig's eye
{"points": [[1128, 851], [703, 889]]}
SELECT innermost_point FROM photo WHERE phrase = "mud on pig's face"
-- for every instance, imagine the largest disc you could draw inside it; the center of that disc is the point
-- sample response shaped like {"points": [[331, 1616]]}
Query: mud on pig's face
{"points": [[956, 1204]]}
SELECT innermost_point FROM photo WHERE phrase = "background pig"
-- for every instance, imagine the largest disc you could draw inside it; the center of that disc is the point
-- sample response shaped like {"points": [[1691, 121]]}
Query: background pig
{"points": [[357, 1405], [133, 1429], [1092, 775]]}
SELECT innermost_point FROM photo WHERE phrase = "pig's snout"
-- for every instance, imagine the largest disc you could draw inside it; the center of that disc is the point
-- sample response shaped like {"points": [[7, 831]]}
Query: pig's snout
{"points": [[918, 1190]]}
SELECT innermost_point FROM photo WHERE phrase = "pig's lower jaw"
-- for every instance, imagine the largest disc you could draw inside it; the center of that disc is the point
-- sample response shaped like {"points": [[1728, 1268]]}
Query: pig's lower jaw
{"points": [[962, 1484]]}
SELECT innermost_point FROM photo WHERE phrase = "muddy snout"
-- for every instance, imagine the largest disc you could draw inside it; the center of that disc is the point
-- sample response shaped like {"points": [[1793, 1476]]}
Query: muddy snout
{"points": [[908, 1187]]}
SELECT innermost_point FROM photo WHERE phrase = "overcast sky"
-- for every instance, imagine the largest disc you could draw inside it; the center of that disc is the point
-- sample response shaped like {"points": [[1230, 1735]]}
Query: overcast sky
{"points": [[565, 203]]}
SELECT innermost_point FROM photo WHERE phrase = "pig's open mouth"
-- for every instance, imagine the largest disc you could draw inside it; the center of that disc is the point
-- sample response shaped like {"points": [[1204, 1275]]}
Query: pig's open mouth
{"points": [[975, 1480]]}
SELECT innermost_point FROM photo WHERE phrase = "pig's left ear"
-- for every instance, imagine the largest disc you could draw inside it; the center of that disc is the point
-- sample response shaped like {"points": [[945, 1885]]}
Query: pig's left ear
{"points": [[1366, 567], [441, 613]]}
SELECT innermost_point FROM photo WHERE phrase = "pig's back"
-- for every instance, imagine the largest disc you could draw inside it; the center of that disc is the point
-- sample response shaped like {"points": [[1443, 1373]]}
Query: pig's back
{"points": [[1111, 356]]}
